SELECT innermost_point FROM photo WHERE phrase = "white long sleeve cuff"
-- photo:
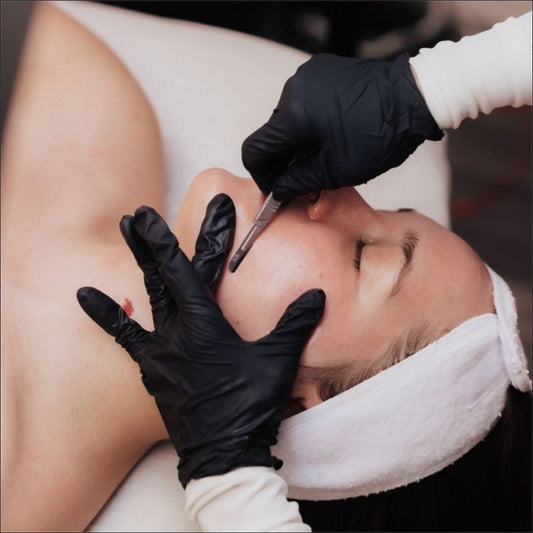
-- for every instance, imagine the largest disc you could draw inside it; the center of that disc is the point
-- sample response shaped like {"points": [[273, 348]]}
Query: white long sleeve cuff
{"points": [[252, 498], [478, 73]]}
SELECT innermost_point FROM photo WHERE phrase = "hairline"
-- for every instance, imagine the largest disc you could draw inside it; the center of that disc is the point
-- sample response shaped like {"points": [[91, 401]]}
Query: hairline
{"points": [[335, 379]]}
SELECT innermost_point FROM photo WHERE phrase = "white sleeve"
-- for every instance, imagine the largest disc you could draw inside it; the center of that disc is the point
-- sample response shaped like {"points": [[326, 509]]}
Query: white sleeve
{"points": [[252, 498], [478, 73]]}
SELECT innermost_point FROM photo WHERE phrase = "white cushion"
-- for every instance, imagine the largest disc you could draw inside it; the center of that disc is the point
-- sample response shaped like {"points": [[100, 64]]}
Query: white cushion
{"points": [[211, 87]]}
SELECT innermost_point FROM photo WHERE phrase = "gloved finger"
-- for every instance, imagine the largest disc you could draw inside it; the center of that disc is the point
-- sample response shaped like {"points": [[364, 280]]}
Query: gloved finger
{"points": [[186, 286], [297, 323], [215, 239], [305, 176], [161, 301], [268, 151], [113, 320]]}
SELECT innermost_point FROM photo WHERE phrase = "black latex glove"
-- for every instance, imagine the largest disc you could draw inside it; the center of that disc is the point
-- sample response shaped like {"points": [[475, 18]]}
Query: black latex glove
{"points": [[357, 117], [221, 398]]}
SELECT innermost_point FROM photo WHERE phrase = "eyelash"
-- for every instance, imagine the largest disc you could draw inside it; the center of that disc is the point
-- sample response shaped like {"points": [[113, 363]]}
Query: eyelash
{"points": [[409, 244], [408, 247], [360, 244]]}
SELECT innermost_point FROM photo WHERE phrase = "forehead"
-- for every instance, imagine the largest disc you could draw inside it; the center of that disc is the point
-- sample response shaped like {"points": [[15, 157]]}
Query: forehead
{"points": [[450, 283]]}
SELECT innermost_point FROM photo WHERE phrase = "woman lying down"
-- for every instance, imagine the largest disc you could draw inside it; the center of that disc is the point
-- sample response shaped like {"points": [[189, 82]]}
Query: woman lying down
{"points": [[410, 406]]}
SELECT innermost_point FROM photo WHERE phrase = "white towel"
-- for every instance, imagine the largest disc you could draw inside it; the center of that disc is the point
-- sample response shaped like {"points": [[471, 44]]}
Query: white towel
{"points": [[414, 418]]}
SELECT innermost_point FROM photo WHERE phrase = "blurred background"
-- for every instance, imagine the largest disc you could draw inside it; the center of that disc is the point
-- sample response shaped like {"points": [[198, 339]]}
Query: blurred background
{"points": [[490, 157]]}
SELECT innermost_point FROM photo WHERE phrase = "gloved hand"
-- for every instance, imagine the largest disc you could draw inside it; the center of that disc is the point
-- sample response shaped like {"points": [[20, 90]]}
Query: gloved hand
{"points": [[221, 398], [340, 121]]}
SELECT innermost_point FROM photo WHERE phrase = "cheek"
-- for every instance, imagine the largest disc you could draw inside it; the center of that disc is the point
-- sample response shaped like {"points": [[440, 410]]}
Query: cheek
{"points": [[349, 333], [273, 274]]}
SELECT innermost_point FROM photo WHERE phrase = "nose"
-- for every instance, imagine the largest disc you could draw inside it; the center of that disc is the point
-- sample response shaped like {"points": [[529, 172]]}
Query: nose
{"points": [[344, 207], [319, 205]]}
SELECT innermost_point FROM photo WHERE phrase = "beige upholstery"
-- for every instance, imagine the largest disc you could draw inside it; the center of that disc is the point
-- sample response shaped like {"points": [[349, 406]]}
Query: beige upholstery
{"points": [[210, 88]]}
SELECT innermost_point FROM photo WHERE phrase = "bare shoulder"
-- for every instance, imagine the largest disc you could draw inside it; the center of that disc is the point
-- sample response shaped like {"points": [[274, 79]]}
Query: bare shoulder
{"points": [[80, 149], [81, 145]]}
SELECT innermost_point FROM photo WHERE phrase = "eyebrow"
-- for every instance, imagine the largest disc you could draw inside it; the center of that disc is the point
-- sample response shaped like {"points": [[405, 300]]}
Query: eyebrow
{"points": [[409, 242]]}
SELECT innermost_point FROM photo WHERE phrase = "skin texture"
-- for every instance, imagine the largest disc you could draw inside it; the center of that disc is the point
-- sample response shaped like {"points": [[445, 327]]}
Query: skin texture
{"points": [[75, 415], [311, 244], [80, 149]]}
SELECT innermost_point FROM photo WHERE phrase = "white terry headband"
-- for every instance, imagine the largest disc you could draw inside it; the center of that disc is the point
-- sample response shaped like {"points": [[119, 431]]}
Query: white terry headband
{"points": [[412, 419]]}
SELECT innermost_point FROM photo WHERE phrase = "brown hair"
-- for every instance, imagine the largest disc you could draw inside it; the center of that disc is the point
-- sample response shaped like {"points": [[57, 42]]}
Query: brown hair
{"points": [[488, 489], [333, 380]]}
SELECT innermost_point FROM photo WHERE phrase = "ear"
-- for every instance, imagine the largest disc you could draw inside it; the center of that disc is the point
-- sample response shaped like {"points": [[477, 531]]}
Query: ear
{"points": [[317, 209]]}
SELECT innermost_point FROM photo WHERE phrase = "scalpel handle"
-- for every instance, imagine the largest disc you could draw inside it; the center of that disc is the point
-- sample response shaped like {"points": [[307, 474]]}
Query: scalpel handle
{"points": [[244, 247], [268, 209], [265, 215]]}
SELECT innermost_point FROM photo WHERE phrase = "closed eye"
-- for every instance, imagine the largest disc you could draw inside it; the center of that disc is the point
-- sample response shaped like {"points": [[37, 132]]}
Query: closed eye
{"points": [[360, 244], [409, 243]]}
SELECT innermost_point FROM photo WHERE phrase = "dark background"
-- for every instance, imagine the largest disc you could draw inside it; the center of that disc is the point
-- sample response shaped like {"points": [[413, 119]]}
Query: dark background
{"points": [[299, 24]]}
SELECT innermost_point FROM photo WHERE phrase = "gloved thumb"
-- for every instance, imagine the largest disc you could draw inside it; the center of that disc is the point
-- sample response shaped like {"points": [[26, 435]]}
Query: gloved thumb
{"points": [[215, 239], [302, 177], [297, 323]]}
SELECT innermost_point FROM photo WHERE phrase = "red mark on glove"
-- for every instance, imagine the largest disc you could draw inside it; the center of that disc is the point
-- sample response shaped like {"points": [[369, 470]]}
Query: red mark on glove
{"points": [[127, 306]]}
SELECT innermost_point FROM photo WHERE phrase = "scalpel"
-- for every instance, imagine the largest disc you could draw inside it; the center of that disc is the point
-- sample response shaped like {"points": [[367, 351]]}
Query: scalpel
{"points": [[265, 215]]}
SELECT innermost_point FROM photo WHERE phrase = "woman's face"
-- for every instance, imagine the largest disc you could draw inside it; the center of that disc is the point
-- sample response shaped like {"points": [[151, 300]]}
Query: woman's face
{"points": [[386, 274]]}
